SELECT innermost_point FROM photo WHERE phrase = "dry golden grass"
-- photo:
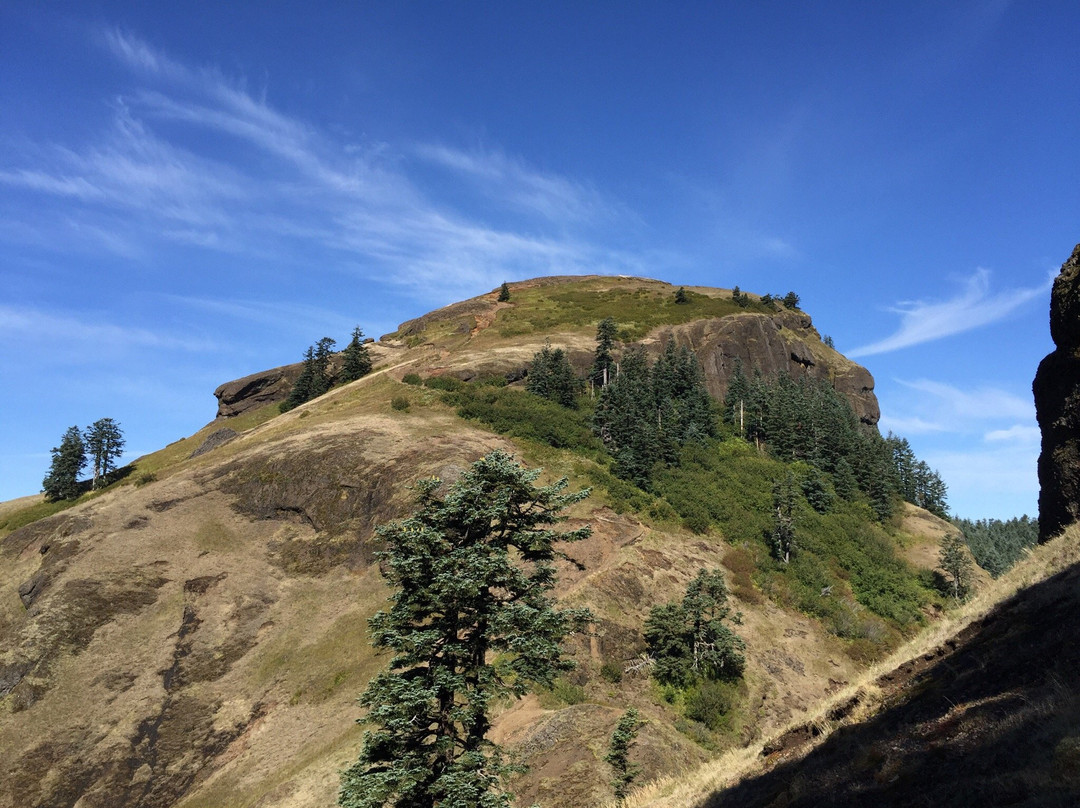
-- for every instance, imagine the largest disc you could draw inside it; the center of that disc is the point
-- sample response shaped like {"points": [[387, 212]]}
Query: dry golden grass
{"points": [[684, 791]]}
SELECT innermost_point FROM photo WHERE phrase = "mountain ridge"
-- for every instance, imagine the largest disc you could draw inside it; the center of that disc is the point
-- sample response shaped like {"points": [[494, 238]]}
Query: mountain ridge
{"points": [[773, 340], [196, 634]]}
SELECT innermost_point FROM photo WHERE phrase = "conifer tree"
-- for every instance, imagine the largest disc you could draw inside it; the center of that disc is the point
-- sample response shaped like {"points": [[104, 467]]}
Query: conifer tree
{"points": [[303, 387], [322, 379], [957, 565], [68, 459], [684, 409], [689, 641], [603, 367], [783, 533], [791, 301], [737, 398], [472, 573], [626, 419], [105, 444], [618, 754], [356, 360], [681, 297], [551, 376], [504, 293]]}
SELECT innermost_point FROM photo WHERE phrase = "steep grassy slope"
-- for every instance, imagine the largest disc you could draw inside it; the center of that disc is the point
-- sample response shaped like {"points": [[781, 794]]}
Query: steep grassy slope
{"points": [[983, 710], [196, 635]]}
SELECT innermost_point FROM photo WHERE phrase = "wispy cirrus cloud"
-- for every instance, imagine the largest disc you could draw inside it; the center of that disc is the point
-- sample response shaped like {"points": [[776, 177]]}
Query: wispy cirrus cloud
{"points": [[975, 306], [46, 328], [932, 407], [511, 180], [257, 180], [1017, 433], [973, 404], [301, 317]]}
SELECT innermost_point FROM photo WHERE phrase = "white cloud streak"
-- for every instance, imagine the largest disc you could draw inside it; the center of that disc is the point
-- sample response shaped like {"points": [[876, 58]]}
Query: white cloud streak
{"points": [[976, 404], [373, 212], [553, 197], [1018, 433], [47, 328], [975, 306]]}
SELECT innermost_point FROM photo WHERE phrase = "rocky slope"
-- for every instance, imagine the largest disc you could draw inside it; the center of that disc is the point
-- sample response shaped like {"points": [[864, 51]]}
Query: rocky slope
{"points": [[196, 634], [1057, 405]]}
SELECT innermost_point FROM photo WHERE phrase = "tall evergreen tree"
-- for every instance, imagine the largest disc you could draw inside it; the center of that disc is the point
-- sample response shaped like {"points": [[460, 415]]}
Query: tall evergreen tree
{"points": [[618, 754], [957, 565], [783, 532], [684, 409], [68, 459], [472, 574], [303, 388], [105, 444], [356, 360], [690, 641], [681, 297], [791, 301], [603, 367], [504, 293], [737, 398], [322, 379], [626, 419], [551, 376]]}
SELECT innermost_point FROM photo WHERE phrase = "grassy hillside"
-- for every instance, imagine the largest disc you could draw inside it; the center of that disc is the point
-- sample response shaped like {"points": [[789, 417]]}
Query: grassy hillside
{"points": [[980, 710], [203, 620]]}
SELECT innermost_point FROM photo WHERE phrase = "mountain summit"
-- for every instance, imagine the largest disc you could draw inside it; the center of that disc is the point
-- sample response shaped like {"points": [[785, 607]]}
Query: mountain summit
{"points": [[196, 633]]}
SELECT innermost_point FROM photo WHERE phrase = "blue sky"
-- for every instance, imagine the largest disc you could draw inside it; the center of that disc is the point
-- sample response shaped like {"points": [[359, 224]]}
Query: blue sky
{"points": [[193, 192]]}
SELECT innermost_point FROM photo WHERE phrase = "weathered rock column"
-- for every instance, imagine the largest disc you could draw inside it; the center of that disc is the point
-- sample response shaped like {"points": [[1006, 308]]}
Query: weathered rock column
{"points": [[1057, 406]]}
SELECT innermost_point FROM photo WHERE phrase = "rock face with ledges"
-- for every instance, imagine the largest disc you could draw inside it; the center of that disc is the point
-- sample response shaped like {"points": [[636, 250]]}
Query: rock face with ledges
{"points": [[1057, 405], [783, 342]]}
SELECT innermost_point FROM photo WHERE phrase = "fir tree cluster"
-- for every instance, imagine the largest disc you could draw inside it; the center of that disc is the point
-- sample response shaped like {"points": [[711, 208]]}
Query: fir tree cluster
{"points": [[806, 419], [649, 411], [996, 544], [689, 640], [317, 375], [101, 444], [551, 377]]}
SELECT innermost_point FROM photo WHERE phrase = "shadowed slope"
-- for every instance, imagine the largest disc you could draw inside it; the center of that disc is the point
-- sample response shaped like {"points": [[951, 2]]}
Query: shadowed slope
{"points": [[989, 718]]}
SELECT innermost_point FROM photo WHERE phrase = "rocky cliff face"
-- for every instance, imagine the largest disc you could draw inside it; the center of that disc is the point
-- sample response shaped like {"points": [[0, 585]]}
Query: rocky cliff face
{"points": [[784, 342], [240, 395], [1057, 405]]}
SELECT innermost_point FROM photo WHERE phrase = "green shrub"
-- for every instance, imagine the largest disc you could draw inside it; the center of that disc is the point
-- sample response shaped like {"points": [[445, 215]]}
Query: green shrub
{"points": [[611, 672], [728, 485], [564, 692], [145, 478], [412, 378], [514, 412], [400, 403], [443, 383], [709, 703]]}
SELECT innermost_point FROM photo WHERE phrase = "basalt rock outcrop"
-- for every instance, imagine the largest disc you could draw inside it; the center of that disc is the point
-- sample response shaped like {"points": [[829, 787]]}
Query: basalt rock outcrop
{"points": [[240, 395], [783, 342], [1057, 406]]}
